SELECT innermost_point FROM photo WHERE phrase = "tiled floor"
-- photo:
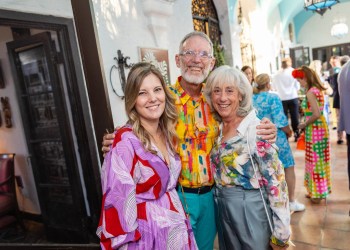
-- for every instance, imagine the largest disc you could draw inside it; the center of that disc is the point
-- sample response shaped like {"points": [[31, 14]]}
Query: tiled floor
{"points": [[325, 225]]}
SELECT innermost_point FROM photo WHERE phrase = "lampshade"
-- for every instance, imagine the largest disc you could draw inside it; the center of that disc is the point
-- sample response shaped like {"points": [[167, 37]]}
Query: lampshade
{"points": [[319, 6], [339, 30]]}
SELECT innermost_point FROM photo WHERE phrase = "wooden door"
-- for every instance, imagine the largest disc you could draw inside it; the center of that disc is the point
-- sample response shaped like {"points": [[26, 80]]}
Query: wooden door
{"points": [[44, 111], [300, 56]]}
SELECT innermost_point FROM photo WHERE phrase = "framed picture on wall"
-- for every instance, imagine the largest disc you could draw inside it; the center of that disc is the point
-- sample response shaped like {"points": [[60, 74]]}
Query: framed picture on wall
{"points": [[159, 58], [2, 82]]}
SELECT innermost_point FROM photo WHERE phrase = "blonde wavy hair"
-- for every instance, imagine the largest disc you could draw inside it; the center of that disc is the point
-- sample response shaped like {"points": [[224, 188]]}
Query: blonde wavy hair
{"points": [[260, 82], [168, 119]]}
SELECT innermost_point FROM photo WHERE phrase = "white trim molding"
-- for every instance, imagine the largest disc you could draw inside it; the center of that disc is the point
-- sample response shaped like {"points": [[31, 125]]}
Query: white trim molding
{"points": [[158, 12]]}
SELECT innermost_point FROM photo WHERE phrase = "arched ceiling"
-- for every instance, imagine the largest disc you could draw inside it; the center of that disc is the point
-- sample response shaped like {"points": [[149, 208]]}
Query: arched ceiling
{"points": [[291, 11]]}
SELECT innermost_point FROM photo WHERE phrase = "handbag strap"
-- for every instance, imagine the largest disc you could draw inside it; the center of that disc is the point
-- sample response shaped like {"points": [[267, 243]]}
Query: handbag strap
{"points": [[186, 205], [256, 169]]}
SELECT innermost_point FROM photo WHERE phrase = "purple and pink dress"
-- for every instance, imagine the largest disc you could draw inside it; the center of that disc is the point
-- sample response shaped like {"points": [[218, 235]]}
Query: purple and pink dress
{"points": [[140, 207], [317, 153]]}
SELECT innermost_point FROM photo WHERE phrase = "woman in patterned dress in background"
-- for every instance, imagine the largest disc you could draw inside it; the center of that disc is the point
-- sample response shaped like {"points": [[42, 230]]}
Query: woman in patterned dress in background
{"points": [[269, 105], [316, 65], [317, 154], [140, 207]]}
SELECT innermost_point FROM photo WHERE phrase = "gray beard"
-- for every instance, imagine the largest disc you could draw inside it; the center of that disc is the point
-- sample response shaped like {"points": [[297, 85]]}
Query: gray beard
{"points": [[194, 79]]}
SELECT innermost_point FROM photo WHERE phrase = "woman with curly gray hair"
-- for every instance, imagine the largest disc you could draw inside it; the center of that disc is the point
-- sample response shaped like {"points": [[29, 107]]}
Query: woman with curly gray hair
{"points": [[251, 191]]}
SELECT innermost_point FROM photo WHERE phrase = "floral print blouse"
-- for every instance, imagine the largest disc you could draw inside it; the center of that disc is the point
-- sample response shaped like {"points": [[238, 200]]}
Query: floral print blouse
{"points": [[232, 166]]}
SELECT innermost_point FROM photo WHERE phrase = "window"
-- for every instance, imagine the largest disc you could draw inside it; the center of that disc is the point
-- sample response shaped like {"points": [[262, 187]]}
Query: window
{"points": [[205, 19]]}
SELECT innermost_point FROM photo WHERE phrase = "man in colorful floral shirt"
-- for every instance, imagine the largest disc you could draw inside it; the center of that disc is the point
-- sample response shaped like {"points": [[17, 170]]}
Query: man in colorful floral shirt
{"points": [[197, 130]]}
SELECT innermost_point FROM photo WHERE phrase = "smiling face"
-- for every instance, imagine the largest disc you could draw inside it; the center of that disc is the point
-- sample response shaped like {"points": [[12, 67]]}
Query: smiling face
{"points": [[225, 99], [194, 68], [150, 103]]}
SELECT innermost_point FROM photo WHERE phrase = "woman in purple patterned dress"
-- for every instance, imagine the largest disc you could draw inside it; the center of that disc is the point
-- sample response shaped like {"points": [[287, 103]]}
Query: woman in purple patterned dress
{"points": [[141, 208]]}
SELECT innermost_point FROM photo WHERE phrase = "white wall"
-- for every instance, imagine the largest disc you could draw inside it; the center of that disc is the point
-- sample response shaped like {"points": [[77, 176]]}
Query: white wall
{"points": [[12, 140], [123, 25], [261, 37], [274, 26], [317, 30]]}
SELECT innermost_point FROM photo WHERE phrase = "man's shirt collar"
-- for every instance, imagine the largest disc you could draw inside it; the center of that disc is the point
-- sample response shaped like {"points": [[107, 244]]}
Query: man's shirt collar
{"points": [[184, 97]]}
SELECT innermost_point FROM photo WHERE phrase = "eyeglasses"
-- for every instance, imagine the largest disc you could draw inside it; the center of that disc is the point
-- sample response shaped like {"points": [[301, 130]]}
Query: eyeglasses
{"points": [[190, 54]]}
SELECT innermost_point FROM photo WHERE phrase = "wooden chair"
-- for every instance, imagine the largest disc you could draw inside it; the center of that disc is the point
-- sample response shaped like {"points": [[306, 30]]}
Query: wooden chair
{"points": [[9, 212]]}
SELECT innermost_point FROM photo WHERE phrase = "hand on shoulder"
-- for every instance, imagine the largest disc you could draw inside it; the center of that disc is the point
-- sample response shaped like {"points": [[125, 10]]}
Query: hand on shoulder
{"points": [[107, 141], [267, 130]]}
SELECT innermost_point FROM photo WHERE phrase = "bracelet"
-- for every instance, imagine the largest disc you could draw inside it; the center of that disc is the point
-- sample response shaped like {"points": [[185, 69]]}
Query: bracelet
{"points": [[278, 242]]}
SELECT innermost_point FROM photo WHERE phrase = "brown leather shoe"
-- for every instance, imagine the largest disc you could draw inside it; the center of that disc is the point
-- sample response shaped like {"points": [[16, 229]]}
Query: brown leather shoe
{"points": [[316, 200]]}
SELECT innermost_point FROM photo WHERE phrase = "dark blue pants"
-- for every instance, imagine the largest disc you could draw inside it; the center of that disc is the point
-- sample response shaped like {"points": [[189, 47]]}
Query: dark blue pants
{"points": [[292, 107]]}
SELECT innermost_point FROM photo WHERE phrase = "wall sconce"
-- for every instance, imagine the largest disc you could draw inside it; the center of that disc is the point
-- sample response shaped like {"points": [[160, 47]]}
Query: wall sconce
{"points": [[339, 30], [121, 65]]}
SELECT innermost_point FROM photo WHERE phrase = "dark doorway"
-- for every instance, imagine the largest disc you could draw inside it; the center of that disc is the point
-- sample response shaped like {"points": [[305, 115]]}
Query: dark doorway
{"points": [[44, 111]]}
